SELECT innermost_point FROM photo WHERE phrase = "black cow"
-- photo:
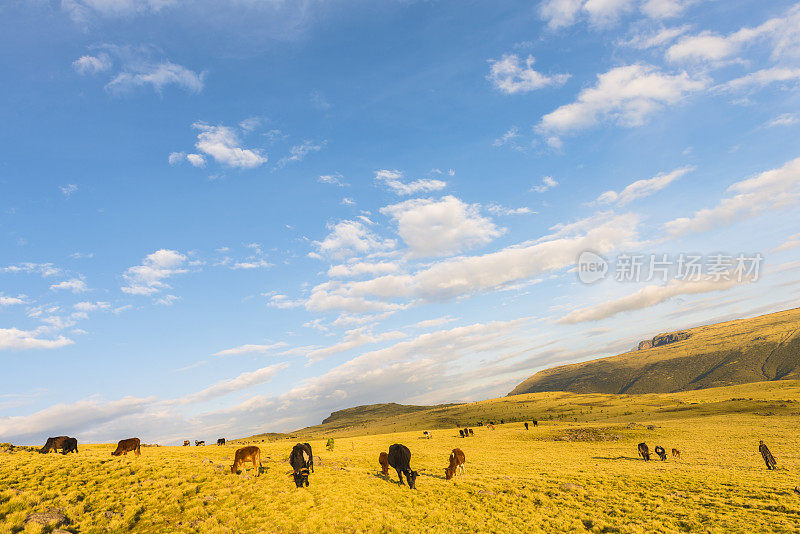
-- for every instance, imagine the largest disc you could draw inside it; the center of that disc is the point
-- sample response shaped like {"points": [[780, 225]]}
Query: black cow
{"points": [[199, 443], [70, 445], [400, 459], [535, 422], [471, 433], [644, 451], [221, 441], [466, 432], [480, 423], [460, 432], [502, 422], [301, 459], [526, 426], [661, 452]]}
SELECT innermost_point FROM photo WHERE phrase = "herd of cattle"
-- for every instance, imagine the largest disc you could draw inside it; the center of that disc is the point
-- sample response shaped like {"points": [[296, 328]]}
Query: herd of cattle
{"points": [[302, 459]]}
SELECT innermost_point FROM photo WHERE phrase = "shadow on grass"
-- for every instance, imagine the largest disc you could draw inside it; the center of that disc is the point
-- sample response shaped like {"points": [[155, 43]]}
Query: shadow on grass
{"points": [[617, 458]]}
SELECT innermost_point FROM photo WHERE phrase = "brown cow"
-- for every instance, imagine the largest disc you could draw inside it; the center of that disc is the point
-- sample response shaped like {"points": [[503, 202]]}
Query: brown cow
{"points": [[128, 445], [65, 443], [383, 459], [247, 454], [676, 454], [186, 443], [768, 458], [457, 461], [644, 451]]}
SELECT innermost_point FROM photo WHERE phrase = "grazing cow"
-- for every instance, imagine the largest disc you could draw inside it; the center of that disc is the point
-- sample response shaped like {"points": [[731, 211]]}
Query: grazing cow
{"points": [[247, 454], [427, 434], [676, 454], [52, 444], [400, 459], [186, 443], [466, 432], [491, 423], [644, 451], [490, 426], [768, 458], [70, 445], [535, 422], [221, 441], [383, 459], [301, 459], [661, 452], [526, 426], [461, 432], [502, 422], [197, 443], [128, 445], [456, 467], [471, 433], [480, 423]]}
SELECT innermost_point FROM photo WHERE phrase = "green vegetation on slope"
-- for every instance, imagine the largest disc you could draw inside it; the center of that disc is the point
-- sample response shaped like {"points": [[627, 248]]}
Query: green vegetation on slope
{"points": [[733, 352]]}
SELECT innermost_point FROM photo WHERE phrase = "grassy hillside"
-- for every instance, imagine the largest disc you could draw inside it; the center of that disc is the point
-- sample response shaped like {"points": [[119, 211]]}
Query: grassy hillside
{"points": [[576, 472], [734, 352]]}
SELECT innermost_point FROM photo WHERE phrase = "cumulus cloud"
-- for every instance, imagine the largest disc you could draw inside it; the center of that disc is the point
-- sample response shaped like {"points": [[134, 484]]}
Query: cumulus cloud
{"points": [[92, 64], [148, 278], [222, 144], [251, 349], [10, 301], [498, 209], [352, 339], [351, 238], [767, 192], [512, 75], [394, 181], [627, 96], [465, 276], [16, 339], [562, 13], [661, 37], [360, 268], [642, 188], [74, 285], [299, 152], [441, 227], [646, 297], [547, 183], [43, 269], [91, 306]]}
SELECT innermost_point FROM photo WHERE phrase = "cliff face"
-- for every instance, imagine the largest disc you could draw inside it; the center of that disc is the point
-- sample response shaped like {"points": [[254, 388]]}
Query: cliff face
{"points": [[734, 352]]}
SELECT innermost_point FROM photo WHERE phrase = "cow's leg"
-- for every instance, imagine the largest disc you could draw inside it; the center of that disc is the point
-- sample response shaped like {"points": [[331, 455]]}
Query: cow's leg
{"points": [[400, 476]]}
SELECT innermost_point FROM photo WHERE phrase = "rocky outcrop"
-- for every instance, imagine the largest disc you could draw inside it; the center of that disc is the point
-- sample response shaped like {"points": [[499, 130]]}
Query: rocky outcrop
{"points": [[662, 339], [646, 344]]}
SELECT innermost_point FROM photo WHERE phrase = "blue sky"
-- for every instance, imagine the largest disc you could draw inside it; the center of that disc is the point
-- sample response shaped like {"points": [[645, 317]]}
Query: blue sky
{"points": [[222, 218]]}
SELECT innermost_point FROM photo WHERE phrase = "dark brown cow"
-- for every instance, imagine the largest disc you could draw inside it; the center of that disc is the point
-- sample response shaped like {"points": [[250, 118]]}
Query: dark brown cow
{"points": [[456, 467], [471, 433], [661, 452], [244, 455], [400, 459], [676, 454], [128, 445], [383, 459], [186, 443], [644, 451], [768, 458], [301, 459], [198, 443], [461, 432], [65, 443], [221, 441]]}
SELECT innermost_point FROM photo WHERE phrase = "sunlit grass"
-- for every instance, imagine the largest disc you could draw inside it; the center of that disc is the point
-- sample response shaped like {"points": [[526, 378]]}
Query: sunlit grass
{"points": [[514, 482]]}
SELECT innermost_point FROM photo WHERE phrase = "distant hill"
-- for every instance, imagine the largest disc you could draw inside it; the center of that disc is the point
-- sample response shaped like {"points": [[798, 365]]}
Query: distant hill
{"points": [[760, 349]]}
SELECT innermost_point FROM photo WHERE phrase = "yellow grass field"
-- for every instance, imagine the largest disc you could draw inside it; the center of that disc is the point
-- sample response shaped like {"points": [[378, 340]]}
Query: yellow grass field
{"points": [[576, 472]]}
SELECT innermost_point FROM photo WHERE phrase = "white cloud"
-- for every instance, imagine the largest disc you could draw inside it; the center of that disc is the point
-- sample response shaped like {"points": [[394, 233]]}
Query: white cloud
{"points": [[252, 264], [283, 302], [16, 339], [547, 183], [92, 64], [299, 152], [197, 160], [10, 301], [767, 192], [511, 75], [441, 227], [333, 179], [660, 38], [497, 209], [508, 137], [350, 238], [432, 323], [646, 297], [251, 349], [91, 306], [394, 181], [468, 275], [642, 188], [792, 242], [68, 189], [148, 278], [352, 339], [627, 96], [761, 78], [73, 284], [43, 269], [562, 13], [232, 385], [166, 300], [662, 9], [221, 143], [158, 76], [786, 119], [355, 269], [347, 201]]}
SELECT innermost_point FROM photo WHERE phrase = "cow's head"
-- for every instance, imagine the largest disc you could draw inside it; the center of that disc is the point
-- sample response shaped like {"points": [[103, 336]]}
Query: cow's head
{"points": [[448, 473], [301, 477], [234, 469], [411, 476]]}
